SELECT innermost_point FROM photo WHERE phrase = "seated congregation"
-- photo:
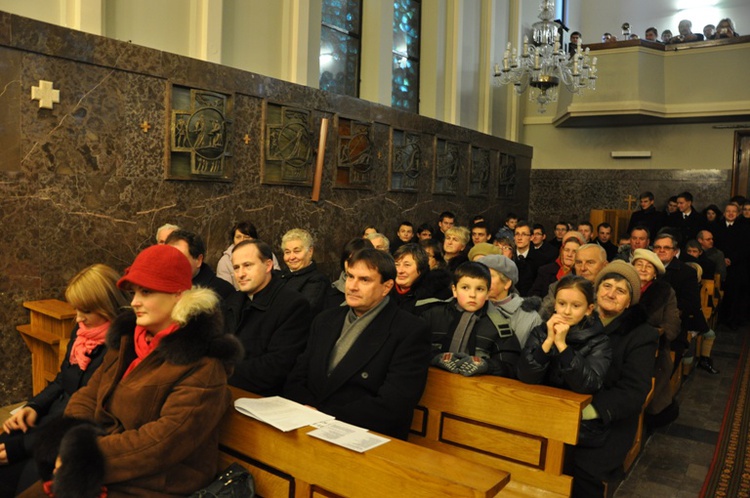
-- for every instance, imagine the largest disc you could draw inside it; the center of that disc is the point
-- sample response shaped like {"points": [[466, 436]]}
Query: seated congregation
{"points": [[144, 386]]}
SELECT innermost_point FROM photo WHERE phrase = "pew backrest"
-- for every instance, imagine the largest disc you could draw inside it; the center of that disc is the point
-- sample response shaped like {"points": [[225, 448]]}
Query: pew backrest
{"points": [[502, 423]]}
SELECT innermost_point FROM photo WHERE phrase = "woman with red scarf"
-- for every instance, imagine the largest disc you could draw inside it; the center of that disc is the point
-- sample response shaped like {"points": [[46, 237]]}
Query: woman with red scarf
{"points": [[552, 272], [161, 390], [97, 301]]}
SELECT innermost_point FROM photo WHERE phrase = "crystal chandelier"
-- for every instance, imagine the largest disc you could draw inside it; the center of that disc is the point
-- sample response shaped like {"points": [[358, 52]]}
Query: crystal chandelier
{"points": [[544, 65]]}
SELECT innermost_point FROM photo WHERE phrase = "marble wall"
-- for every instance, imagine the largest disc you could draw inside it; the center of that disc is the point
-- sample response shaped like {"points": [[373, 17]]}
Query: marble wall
{"points": [[84, 182], [570, 195]]}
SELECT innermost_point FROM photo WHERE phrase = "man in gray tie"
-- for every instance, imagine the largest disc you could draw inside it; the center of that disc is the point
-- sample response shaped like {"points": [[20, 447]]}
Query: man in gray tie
{"points": [[366, 362]]}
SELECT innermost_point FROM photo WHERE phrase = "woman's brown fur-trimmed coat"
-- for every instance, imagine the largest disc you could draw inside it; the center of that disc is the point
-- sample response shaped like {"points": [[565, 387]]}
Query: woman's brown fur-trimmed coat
{"points": [[161, 421]]}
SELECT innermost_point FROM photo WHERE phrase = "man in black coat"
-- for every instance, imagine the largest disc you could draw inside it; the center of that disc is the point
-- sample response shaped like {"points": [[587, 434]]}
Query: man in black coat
{"points": [[603, 238], [544, 252], [191, 245], [270, 319], [733, 239], [684, 281], [647, 216], [365, 363]]}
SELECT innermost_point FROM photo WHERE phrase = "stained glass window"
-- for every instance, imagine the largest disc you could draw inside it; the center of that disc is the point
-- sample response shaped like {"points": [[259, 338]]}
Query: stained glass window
{"points": [[340, 46], [406, 36]]}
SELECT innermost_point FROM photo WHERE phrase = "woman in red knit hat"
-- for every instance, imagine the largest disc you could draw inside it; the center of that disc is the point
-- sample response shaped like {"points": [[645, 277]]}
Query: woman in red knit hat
{"points": [[162, 388]]}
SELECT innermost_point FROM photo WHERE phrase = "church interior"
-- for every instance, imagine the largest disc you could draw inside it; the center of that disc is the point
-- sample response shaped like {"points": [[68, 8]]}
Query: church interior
{"points": [[100, 101]]}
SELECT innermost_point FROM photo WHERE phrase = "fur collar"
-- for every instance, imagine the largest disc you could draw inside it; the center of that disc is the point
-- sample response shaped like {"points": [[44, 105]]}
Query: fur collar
{"points": [[201, 333]]}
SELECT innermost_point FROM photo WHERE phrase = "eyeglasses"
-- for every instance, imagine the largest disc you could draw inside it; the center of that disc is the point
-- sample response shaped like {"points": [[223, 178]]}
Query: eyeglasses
{"points": [[523, 235], [666, 248]]}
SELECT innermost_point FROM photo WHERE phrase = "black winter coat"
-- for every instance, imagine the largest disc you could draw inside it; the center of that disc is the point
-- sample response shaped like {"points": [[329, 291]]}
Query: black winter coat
{"points": [[580, 368], [433, 284], [501, 353], [273, 329], [626, 385], [52, 400], [310, 283]]}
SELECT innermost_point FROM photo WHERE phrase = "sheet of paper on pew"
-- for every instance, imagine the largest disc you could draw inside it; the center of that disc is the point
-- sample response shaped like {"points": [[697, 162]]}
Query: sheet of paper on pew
{"points": [[282, 413], [347, 435]]}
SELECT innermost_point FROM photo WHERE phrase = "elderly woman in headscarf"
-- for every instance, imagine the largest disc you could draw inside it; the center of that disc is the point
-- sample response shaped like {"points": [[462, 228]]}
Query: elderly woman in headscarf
{"points": [[616, 407], [520, 313]]}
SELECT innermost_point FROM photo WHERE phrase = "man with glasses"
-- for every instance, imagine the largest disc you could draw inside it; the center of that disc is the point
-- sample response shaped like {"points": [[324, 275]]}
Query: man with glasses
{"points": [[684, 281]]}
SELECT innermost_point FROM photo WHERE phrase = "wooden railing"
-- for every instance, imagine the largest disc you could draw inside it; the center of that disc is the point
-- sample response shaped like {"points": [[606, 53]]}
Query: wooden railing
{"points": [[47, 338]]}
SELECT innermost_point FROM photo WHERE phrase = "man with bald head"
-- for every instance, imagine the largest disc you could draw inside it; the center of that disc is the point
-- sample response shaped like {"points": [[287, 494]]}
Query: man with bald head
{"points": [[590, 259], [706, 241]]}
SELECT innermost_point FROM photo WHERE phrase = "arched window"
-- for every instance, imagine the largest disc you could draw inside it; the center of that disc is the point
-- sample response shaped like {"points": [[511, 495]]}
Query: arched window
{"points": [[340, 46], [406, 36]]}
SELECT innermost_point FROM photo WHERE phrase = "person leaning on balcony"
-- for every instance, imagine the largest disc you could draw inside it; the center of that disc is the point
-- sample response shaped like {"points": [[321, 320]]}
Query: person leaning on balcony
{"points": [[686, 33]]}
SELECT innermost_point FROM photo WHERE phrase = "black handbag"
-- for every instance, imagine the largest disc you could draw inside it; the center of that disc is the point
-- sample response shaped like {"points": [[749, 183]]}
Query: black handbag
{"points": [[234, 482]]}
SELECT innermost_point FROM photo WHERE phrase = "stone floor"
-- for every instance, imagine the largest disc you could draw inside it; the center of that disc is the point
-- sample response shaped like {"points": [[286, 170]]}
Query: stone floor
{"points": [[675, 459]]}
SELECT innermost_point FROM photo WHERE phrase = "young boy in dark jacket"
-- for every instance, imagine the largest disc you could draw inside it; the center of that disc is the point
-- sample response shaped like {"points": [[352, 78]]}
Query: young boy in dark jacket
{"points": [[469, 335]]}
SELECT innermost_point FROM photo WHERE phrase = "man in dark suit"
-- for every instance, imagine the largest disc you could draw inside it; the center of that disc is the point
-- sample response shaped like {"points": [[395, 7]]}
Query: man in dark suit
{"points": [[525, 258], [733, 239], [365, 363], [686, 220]]}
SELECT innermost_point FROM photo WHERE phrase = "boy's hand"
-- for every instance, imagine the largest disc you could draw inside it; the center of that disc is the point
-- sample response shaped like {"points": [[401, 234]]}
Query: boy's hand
{"points": [[449, 361], [473, 365]]}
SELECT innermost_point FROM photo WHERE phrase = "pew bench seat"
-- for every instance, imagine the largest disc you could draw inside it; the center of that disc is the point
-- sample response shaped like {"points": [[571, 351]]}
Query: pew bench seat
{"points": [[293, 464]]}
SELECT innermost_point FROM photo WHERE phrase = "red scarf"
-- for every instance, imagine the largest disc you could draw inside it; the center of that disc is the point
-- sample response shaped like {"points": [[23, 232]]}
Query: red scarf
{"points": [[646, 286], [402, 290], [564, 270], [145, 343], [47, 486], [86, 341]]}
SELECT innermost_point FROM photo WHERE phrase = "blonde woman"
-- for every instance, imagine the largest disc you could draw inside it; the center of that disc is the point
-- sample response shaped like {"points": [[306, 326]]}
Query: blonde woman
{"points": [[97, 301]]}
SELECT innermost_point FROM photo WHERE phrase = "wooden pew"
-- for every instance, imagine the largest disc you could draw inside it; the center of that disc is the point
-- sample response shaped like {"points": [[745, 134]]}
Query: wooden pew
{"points": [[47, 338], [504, 424], [292, 464]]}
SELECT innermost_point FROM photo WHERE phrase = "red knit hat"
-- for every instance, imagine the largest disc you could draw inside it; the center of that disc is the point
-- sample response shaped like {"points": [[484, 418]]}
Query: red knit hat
{"points": [[160, 268]]}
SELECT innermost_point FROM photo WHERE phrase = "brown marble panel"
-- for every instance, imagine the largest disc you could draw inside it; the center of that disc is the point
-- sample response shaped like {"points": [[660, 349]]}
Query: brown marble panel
{"points": [[5, 24], [10, 110], [570, 195], [87, 184]]}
